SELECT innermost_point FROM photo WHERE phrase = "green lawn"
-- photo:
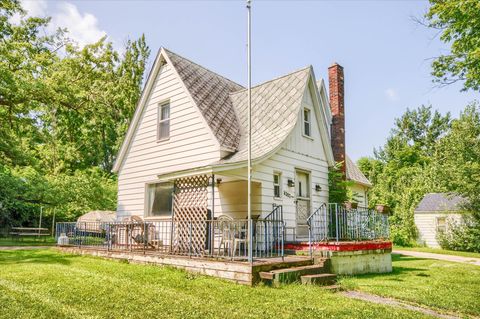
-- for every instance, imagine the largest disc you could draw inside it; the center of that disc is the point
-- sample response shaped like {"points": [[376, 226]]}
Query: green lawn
{"points": [[440, 251], [48, 284], [28, 241], [436, 284]]}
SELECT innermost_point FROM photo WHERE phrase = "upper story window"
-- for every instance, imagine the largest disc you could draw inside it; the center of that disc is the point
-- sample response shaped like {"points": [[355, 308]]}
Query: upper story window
{"points": [[277, 181], [307, 126], [163, 129]]}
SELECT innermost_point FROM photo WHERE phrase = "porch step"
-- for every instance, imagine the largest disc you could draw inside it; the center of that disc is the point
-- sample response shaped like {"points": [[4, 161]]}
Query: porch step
{"points": [[319, 279], [292, 274], [332, 288]]}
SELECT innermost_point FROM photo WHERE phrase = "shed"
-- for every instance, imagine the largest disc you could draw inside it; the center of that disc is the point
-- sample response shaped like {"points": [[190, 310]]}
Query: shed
{"points": [[93, 220], [432, 214]]}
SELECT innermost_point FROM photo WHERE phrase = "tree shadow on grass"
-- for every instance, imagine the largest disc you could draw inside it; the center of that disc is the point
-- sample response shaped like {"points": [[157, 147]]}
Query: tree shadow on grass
{"points": [[34, 257], [398, 270]]}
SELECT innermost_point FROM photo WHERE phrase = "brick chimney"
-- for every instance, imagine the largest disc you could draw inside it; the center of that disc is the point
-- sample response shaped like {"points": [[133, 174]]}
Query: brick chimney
{"points": [[337, 106]]}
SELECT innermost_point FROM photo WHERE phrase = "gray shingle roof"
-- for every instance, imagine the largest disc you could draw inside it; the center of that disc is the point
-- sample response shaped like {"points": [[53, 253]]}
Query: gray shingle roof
{"points": [[440, 202], [275, 108], [210, 92], [355, 174]]}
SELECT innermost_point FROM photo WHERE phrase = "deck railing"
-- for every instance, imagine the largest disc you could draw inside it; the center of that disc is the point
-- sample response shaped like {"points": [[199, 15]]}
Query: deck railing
{"points": [[210, 238], [335, 222]]}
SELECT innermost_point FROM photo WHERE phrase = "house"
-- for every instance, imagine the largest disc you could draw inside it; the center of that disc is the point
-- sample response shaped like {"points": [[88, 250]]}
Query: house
{"points": [[182, 180], [191, 121], [433, 215]]}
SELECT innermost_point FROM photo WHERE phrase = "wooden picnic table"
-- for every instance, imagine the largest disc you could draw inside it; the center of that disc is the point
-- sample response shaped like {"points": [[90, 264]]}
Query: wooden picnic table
{"points": [[19, 232]]}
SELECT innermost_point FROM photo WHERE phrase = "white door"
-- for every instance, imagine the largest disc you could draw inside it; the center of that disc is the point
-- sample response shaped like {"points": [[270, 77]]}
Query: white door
{"points": [[302, 192]]}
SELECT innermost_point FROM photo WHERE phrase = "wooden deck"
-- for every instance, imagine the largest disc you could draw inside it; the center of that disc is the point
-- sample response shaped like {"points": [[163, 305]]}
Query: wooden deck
{"points": [[241, 272]]}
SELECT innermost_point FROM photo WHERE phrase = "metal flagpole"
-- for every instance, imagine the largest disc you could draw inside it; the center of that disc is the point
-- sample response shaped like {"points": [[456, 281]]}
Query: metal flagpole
{"points": [[249, 160]]}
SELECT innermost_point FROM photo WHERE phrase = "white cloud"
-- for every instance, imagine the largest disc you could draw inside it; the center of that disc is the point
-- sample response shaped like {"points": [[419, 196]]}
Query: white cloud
{"points": [[392, 94], [83, 28], [34, 8]]}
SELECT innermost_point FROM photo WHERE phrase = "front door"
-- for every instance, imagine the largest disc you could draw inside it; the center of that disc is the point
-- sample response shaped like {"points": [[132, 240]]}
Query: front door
{"points": [[302, 191]]}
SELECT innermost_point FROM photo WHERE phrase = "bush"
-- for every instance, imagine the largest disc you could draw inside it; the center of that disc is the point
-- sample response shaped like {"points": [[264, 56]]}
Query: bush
{"points": [[463, 236]]}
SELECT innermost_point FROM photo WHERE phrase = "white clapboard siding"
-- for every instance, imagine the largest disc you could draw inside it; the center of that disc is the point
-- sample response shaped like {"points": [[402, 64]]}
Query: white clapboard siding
{"points": [[360, 194], [426, 223], [190, 144]]}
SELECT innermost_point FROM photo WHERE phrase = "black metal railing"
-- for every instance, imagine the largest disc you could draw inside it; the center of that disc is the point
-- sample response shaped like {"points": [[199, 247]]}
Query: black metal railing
{"points": [[210, 238], [335, 222]]}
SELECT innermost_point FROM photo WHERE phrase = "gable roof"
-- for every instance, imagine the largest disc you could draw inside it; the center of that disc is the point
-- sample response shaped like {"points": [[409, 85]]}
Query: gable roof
{"points": [[275, 107], [210, 92], [440, 202], [355, 174], [224, 105]]}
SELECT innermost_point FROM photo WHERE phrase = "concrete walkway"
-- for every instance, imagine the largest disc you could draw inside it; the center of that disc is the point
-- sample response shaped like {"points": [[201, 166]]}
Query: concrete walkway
{"points": [[395, 303], [23, 247], [457, 259]]}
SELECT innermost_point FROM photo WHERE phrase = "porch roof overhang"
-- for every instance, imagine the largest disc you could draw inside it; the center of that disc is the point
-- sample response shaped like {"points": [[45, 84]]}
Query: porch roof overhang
{"points": [[204, 170]]}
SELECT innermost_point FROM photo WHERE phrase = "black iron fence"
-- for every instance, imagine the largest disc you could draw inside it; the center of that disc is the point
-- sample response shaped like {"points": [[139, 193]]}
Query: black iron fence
{"points": [[211, 238], [334, 222]]}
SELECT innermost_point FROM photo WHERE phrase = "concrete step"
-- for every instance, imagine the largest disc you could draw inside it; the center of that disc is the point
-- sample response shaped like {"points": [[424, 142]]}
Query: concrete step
{"points": [[319, 279], [332, 288], [292, 274]]}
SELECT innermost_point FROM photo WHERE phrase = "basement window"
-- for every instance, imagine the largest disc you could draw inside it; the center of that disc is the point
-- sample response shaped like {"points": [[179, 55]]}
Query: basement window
{"points": [[159, 200], [163, 129], [307, 127]]}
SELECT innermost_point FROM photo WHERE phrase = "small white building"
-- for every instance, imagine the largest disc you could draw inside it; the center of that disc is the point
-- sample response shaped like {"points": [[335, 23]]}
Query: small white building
{"points": [[192, 122], [433, 215]]}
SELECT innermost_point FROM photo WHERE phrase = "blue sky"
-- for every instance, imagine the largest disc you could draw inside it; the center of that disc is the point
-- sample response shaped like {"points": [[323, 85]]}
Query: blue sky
{"points": [[386, 55]]}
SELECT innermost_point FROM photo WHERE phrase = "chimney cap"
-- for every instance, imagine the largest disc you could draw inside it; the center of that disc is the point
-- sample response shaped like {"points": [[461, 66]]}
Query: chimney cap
{"points": [[335, 64]]}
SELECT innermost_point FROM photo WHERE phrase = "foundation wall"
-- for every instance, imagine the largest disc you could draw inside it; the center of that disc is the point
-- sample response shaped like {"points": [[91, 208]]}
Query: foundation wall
{"points": [[359, 261]]}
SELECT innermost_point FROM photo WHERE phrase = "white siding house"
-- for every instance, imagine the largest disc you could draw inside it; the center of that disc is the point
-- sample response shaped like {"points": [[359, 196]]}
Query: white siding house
{"points": [[434, 213], [191, 121]]}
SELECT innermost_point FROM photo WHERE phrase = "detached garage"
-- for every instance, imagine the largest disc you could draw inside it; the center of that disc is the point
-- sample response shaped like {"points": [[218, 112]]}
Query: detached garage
{"points": [[433, 214]]}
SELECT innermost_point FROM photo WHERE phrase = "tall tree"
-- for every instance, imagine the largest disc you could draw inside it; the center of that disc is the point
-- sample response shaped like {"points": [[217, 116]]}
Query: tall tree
{"points": [[458, 22]]}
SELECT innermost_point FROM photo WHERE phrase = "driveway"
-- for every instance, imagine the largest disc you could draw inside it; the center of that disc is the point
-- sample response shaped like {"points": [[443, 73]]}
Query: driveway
{"points": [[457, 259], [22, 247]]}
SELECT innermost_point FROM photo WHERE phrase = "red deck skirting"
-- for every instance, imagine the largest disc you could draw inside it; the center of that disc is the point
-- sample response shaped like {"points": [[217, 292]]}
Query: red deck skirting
{"points": [[342, 246]]}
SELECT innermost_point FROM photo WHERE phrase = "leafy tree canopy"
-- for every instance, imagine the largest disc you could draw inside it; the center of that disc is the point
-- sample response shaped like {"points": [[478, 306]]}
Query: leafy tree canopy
{"points": [[458, 22]]}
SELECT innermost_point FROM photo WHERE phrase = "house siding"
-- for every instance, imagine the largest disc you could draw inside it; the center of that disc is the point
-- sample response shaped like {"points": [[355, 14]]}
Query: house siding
{"points": [[427, 226], [359, 193], [190, 144]]}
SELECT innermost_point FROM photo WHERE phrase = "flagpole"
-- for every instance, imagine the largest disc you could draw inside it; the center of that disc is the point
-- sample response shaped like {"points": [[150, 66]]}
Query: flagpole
{"points": [[249, 159]]}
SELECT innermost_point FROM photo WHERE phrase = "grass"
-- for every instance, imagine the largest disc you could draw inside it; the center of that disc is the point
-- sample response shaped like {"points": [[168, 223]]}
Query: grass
{"points": [[28, 241], [440, 251], [47, 284], [442, 285]]}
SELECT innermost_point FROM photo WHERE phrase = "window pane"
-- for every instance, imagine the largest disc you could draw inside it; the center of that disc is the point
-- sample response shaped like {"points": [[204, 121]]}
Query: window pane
{"points": [[165, 112], [275, 178], [306, 115], [307, 129], [164, 130], [160, 199], [276, 191]]}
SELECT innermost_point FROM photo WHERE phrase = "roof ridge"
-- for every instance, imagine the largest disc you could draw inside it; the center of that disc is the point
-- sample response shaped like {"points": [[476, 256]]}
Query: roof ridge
{"points": [[201, 66], [274, 79]]}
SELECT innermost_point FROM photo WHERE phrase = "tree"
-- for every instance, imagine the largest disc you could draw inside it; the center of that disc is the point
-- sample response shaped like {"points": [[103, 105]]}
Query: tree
{"points": [[63, 113], [458, 22], [400, 170]]}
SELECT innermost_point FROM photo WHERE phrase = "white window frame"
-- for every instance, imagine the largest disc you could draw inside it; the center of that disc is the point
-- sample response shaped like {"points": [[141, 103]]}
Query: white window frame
{"points": [[439, 227], [148, 201], [279, 184], [160, 121], [307, 121]]}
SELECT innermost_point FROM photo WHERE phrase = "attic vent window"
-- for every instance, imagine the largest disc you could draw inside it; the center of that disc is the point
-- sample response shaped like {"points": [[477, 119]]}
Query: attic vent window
{"points": [[163, 129], [306, 123]]}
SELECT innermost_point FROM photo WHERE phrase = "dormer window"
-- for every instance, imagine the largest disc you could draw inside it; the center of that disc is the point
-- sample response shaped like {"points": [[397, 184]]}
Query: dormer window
{"points": [[307, 127], [163, 129]]}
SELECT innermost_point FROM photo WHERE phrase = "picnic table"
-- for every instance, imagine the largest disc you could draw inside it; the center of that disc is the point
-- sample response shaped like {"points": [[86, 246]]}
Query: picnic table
{"points": [[20, 232]]}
